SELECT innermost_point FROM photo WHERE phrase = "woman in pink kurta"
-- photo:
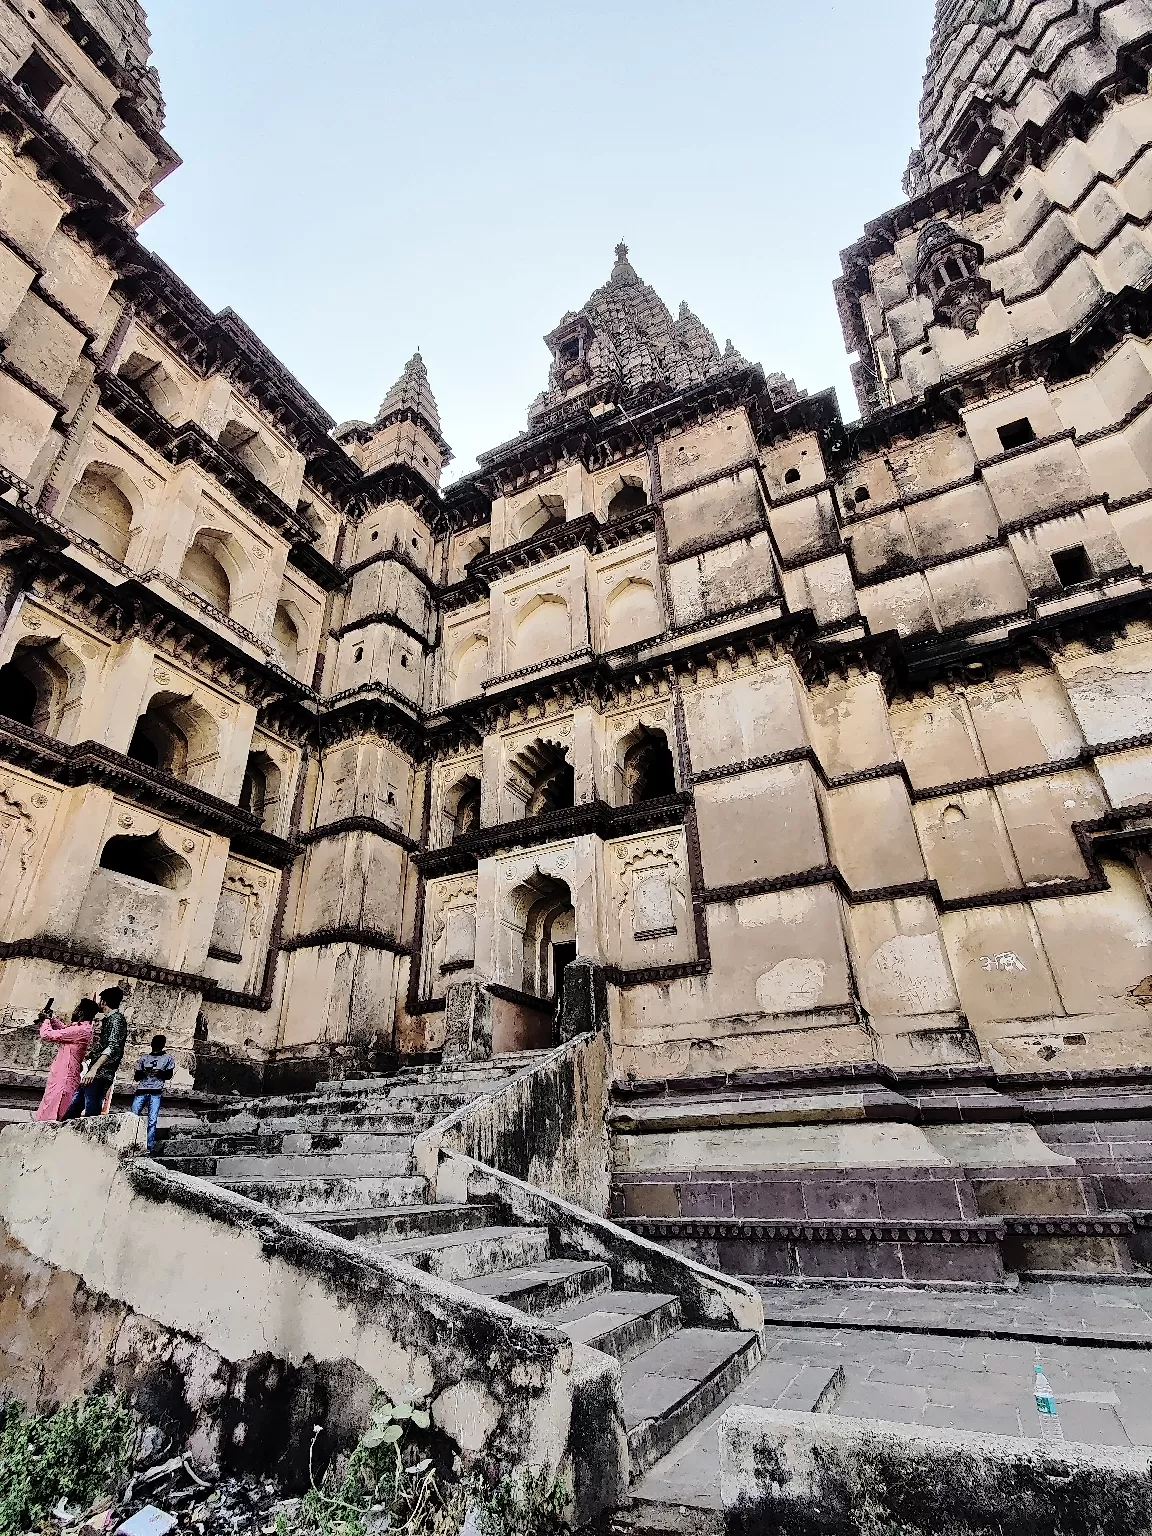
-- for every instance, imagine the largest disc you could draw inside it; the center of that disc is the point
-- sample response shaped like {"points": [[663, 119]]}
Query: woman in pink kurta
{"points": [[74, 1040]]}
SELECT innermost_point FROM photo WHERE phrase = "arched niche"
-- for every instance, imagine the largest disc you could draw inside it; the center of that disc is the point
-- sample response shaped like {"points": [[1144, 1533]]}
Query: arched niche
{"points": [[102, 506], [537, 513], [260, 791], [542, 923], [42, 686], [135, 901], [543, 630], [460, 809], [150, 378], [147, 859], [177, 736], [646, 769], [624, 497], [204, 571], [286, 634], [469, 667], [253, 450], [631, 614], [542, 779]]}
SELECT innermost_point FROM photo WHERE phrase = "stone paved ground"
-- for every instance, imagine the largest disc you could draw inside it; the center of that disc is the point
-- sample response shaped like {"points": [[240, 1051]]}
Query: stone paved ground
{"points": [[958, 1364], [1061, 1311]]}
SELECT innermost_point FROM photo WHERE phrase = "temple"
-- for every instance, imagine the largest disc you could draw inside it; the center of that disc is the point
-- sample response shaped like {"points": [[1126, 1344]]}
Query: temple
{"points": [[805, 762]]}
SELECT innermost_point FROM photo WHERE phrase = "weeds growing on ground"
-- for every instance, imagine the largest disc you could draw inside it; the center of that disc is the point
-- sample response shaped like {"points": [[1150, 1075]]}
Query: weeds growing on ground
{"points": [[76, 1454], [390, 1484]]}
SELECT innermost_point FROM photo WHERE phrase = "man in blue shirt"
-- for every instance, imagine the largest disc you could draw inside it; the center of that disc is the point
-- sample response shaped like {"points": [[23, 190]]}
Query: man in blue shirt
{"points": [[152, 1074]]}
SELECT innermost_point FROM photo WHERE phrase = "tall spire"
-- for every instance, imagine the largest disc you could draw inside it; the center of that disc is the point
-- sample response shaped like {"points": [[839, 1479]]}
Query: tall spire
{"points": [[996, 68], [623, 346], [411, 393], [406, 430]]}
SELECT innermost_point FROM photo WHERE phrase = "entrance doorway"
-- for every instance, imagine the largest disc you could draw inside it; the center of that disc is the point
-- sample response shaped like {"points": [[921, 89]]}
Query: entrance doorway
{"points": [[561, 954]]}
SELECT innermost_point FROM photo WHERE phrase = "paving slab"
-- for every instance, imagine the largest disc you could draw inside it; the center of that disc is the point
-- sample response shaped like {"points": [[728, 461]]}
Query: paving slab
{"points": [[1055, 1311]]}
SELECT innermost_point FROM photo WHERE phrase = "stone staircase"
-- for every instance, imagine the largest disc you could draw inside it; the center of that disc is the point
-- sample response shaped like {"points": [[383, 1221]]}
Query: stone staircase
{"points": [[341, 1158]]}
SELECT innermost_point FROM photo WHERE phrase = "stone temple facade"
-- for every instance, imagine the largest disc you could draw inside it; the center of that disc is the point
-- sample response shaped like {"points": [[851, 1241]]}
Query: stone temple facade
{"points": [[828, 743]]}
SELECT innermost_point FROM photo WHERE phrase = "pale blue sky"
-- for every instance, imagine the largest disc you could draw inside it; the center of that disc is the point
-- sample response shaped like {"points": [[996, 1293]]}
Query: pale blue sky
{"points": [[365, 176]]}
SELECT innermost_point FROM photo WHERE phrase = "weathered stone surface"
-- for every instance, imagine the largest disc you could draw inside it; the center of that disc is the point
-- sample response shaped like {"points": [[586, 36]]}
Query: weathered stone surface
{"points": [[820, 1475]]}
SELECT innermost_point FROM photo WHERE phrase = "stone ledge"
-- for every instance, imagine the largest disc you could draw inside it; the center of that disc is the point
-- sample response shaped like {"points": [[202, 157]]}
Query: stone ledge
{"points": [[979, 1229], [811, 1473]]}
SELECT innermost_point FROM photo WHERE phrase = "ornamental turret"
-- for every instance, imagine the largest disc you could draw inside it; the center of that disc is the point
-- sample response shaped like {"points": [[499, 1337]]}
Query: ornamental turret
{"points": [[406, 430]]}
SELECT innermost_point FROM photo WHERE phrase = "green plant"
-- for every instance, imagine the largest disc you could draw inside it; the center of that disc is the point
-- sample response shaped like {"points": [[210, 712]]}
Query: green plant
{"points": [[387, 1484], [76, 1453], [527, 1502]]}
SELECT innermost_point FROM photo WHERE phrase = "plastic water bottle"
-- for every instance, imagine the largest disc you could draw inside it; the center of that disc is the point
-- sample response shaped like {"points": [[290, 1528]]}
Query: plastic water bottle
{"points": [[1050, 1428]]}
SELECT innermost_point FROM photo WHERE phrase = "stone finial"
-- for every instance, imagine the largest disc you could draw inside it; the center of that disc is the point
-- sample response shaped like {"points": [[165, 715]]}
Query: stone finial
{"points": [[623, 271]]}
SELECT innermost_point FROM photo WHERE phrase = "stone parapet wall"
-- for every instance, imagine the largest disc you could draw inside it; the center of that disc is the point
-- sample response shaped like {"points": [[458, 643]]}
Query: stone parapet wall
{"points": [[245, 1327], [829, 1476]]}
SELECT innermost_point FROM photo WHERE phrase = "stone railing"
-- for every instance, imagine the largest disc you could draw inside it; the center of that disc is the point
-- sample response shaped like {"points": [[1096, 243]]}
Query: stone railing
{"points": [[538, 1145], [277, 1325]]}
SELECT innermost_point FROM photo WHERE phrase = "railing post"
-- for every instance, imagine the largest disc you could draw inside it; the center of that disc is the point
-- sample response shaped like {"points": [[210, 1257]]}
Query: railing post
{"points": [[584, 999], [468, 1023]]}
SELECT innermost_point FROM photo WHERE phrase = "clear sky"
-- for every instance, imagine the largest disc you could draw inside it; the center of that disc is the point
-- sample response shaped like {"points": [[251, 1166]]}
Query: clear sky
{"points": [[363, 177]]}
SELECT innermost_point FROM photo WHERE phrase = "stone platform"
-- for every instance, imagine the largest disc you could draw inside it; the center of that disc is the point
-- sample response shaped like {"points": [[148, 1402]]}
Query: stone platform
{"points": [[953, 1176], [942, 1360]]}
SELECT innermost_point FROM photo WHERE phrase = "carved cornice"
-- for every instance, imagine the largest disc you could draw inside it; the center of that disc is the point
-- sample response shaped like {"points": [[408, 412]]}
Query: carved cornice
{"points": [[120, 609], [595, 819], [366, 938], [90, 762], [369, 824]]}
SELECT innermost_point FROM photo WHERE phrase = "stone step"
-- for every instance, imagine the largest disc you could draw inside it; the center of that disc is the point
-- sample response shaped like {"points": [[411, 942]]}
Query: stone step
{"points": [[674, 1386], [545, 1286], [325, 1196], [310, 1165], [468, 1255], [339, 1119], [622, 1324], [384, 1088], [395, 1223], [688, 1477], [295, 1142]]}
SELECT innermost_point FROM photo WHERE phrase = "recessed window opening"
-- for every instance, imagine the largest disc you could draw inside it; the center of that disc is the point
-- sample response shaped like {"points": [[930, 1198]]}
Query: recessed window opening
{"points": [[1072, 566], [37, 78], [36, 686], [570, 350], [157, 744], [1018, 194], [403, 660], [204, 572], [1016, 433], [952, 271], [358, 654], [792, 476], [463, 807], [375, 534], [254, 790], [862, 494], [177, 736], [19, 696], [649, 773], [629, 499], [147, 859]]}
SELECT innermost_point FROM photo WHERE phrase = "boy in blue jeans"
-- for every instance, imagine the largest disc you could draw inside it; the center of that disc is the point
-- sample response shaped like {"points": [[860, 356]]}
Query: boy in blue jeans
{"points": [[152, 1074]]}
